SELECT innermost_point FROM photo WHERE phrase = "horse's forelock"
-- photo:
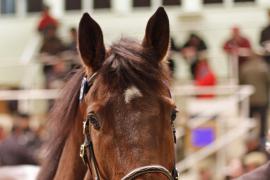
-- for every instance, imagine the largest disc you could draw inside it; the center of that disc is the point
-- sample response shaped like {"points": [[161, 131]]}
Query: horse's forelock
{"points": [[130, 64]]}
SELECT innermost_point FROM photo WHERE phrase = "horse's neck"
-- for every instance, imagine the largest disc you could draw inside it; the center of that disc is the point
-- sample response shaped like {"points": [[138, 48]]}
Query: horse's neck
{"points": [[70, 165]]}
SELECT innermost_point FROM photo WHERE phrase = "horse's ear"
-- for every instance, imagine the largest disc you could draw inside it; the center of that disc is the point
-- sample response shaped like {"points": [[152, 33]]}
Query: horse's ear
{"points": [[157, 33], [91, 45]]}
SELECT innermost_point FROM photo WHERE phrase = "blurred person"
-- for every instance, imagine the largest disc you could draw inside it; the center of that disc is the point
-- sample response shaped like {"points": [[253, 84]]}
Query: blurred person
{"points": [[196, 42], [71, 55], [48, 26], [56, 78], [72, 45], [171, 61], [262, 172], [18, 147], [55, 75], [47, 21], [193, 50], [13, 153], [255, 73], [265, 40], [50, 51], [52, 44], [204, 76], [28, 136], [237, 47], [254, 160]]}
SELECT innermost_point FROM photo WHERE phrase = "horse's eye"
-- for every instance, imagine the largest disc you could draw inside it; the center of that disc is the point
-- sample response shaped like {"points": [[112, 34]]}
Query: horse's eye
{"points": [[93, 120], [174, 114]]}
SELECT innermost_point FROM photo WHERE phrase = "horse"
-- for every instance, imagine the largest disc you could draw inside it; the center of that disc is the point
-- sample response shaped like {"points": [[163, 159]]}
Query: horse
{"points": [[118, 104]]}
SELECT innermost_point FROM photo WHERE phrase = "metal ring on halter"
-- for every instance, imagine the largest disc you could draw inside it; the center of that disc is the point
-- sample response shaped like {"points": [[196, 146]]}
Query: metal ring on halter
{"points": [[148, 169]]}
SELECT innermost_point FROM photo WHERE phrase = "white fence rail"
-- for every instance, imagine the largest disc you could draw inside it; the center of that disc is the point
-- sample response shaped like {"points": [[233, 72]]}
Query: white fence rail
{"points": [[227, 97]]}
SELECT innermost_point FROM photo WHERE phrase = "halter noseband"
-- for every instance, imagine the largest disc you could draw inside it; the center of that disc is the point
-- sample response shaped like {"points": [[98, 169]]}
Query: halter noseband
{"points": [[87, 150]]}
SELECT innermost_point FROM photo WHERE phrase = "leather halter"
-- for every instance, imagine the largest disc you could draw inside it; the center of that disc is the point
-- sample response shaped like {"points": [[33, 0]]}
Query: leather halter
{"points": [[148, 169], [87, 150]]}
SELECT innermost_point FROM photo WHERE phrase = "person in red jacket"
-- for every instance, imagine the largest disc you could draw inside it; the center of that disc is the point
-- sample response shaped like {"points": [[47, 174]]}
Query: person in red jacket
{"points": [[204, 76], [47, 21], [238, 44], [237, 47]]}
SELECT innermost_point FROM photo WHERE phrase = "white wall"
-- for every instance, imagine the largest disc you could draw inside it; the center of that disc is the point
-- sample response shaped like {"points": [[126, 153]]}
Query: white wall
{"points": [[213, 25]]}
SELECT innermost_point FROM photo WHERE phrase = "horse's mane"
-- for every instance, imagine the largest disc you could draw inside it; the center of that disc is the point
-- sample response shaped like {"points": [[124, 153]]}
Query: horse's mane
{"points": [[61, 120], [128, 63]]}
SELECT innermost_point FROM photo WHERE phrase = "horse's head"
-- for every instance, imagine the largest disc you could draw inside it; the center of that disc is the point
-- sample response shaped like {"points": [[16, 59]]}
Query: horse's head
{"points": [[129, 103]]}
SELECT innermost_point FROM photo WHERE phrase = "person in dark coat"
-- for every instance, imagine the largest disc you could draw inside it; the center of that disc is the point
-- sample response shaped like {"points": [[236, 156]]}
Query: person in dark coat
{"points": [[14, 152], [72, 45], [193, 50], [21, 145], [196, 42], [254, 72]]}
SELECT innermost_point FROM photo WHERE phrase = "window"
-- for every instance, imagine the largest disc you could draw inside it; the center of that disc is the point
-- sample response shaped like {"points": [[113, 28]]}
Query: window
{"points": [[7, 6], [171, 2], [141, 3], [212, 1], [34, 5], [101, 4], [73, 5], [243, 1]]}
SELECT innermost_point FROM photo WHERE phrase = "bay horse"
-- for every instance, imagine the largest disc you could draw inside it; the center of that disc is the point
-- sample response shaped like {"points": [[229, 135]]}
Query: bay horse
{"points": [[125, 108]]}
